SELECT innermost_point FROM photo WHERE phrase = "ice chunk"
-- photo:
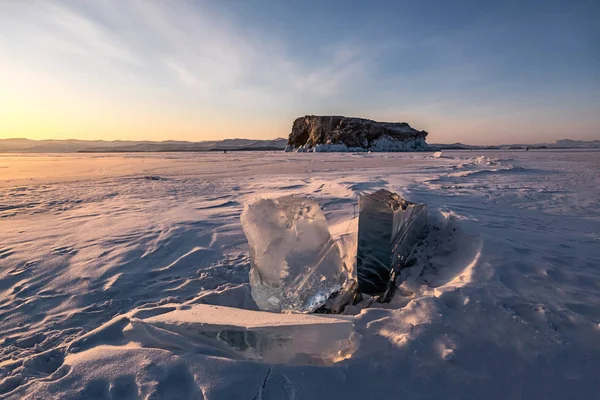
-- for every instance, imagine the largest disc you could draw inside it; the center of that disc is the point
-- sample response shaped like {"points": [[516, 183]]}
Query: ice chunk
{"points": [[388, 229], [296, 265], [273, 338]]}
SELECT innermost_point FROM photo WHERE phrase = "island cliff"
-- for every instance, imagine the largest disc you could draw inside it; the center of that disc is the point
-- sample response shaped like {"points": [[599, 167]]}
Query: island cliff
{"points": [[337, 133]]}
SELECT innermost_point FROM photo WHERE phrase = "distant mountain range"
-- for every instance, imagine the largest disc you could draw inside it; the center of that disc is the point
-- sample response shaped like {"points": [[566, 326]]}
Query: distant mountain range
{"points": [[559, 144], [101, 146]]}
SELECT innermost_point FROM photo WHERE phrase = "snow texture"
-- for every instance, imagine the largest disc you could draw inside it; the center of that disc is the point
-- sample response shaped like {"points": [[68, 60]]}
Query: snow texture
{"points": [[502, 300]]}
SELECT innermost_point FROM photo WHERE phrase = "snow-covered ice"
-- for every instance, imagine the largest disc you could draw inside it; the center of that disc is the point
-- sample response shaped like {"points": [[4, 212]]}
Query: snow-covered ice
{"points": [[295, 264], [502, 300]]}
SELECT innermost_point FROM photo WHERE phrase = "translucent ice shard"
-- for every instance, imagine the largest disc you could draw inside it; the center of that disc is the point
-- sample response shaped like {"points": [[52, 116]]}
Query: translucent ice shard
{"points": [[259, 335], [296, 265], [388, 229]]}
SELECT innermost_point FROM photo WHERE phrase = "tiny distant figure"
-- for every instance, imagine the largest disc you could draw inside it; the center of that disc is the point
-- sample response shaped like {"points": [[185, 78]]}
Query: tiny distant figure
{"points": [[224, 151], [526, 148]]}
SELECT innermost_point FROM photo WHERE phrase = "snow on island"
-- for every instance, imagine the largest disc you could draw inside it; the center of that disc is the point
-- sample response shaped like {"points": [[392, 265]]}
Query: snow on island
{"points": [[342, 134]]}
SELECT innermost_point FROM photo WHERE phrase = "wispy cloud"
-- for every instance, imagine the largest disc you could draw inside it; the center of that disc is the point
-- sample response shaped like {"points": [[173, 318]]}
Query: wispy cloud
{"points": [[71, 31], [196, 47]]}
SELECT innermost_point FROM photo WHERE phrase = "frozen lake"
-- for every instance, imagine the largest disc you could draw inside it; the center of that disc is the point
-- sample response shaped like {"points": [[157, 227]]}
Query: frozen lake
{"points": [[503, 303]]}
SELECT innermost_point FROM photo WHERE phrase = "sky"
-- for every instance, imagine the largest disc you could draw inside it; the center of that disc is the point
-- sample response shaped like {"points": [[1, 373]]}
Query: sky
{"points": [[479, 72]]}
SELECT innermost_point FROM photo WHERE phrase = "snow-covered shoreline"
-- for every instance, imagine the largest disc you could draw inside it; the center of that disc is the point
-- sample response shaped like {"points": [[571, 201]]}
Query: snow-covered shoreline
{"points": [[382, 145], [503, 303]]}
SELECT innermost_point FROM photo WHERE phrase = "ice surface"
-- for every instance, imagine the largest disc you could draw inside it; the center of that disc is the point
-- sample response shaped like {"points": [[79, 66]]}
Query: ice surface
{"points": [[296, 265], [388, 228], [504, 303], [270, 337]]}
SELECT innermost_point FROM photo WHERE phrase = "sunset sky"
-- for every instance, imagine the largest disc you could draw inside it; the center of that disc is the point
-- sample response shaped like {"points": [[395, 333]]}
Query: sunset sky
{"points": [[470, 71]]}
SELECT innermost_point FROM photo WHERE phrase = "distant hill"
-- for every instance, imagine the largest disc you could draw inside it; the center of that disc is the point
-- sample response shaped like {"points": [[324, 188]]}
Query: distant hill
{"points": [[98, 146], [568, 143], [559, 144], [101, 146]]}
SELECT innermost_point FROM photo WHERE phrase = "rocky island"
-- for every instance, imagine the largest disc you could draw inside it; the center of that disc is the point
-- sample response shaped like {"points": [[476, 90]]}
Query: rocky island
{"points": [[339, 134]]}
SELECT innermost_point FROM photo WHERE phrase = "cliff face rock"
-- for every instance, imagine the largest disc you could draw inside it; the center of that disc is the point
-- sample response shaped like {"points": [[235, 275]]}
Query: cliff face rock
{"points": [[337, 133]]}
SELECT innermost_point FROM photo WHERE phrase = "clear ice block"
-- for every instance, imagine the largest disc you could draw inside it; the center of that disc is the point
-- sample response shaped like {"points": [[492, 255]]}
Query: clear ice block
{"points": [[258, 335], [295, 264], [388, 229]]}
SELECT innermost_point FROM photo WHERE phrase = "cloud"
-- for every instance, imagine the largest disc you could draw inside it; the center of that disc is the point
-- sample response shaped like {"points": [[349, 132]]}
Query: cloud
{"points": [[196, 47], [198, 61], [191, 46], [74, 31]]}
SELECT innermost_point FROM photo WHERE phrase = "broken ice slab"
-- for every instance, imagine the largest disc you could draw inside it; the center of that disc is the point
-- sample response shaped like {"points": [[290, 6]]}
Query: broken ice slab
{"points": [[295, 264], [388, 229], [270, 337]]}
